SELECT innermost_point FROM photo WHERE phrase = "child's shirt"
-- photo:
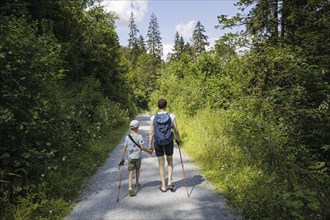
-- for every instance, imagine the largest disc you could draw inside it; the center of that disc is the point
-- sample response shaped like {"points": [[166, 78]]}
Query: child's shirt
{"points": [[133, 151]]}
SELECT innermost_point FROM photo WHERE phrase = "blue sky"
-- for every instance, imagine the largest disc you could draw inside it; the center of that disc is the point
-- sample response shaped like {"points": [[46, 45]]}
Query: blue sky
{"points": [[172, 16]]}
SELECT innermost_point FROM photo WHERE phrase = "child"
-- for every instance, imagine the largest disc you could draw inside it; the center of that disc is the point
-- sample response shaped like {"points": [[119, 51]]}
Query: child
{"points": [[134, 144]]}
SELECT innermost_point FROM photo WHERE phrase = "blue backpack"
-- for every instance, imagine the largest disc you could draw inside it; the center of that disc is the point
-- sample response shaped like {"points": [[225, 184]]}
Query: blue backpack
{"points": [[163, 129]]}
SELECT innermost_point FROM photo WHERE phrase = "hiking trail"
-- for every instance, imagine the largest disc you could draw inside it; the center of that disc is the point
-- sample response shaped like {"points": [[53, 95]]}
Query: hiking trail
{"points": [[99, 200]]}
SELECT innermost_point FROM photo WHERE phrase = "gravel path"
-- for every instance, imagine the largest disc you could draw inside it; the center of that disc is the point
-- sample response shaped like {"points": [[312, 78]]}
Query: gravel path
{"points": [[99, 201]]}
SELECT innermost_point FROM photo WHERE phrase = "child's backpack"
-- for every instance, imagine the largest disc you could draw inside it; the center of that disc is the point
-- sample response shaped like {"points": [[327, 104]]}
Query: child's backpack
{"points": [[163, 129]]}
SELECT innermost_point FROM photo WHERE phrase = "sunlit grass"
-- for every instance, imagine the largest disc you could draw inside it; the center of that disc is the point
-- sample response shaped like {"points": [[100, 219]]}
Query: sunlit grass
{"points": [[225, 165]]}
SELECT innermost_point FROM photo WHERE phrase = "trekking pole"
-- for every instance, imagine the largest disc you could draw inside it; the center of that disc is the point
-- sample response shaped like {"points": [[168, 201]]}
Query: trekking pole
{"points": [[121, 175], [184, 175]]}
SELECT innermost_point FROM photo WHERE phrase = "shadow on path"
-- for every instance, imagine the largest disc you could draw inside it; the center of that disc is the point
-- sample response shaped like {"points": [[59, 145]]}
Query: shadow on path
{"points": [[191, 182]]}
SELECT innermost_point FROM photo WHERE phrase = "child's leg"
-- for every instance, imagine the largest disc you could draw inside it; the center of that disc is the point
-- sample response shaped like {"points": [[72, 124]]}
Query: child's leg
{"points": [[138, 166], [137, 175], [130, 177]]}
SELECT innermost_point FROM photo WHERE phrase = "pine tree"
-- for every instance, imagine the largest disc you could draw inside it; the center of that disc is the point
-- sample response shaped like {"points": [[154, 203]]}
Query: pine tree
{"points": [[154, 44], [199, 39], [142, 44], [175, 55], [188, 49], [178, 47], [132, 40], [133, 44], [181, 47]]}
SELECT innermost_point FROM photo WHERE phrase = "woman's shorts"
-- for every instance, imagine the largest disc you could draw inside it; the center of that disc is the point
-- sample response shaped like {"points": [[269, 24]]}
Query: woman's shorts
{"points": [[164, 149], [134, 164]]}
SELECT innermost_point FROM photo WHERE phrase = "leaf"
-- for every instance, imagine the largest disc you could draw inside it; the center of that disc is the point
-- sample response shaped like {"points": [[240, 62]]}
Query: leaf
{"points": [[315, 205], [26, 155], [317, 166], [13, 174], [297, 204], [5, 155]]}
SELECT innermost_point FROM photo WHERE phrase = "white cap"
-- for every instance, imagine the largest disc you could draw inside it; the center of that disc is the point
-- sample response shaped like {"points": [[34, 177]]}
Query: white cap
{"points": [[134, 124]]}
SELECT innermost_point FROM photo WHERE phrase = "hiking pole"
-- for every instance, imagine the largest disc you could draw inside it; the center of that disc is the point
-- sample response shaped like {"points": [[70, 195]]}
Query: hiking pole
{"points": [[184, 175], [121, 167]]}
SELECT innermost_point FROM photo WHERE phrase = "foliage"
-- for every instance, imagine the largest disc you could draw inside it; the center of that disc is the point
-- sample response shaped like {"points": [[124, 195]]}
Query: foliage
{"points": [[257, 124], [63, 91], [31, 63], [142, 78], [255, 109]]}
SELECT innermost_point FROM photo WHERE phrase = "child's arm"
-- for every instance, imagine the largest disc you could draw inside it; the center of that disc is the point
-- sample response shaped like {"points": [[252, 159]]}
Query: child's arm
{"points": [[146, 149], [123, 154]]}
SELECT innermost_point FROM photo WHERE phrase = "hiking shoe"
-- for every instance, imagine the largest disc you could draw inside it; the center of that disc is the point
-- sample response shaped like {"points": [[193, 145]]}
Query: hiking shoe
{"points": [[137, 186], [131, 192], [170, 187]]}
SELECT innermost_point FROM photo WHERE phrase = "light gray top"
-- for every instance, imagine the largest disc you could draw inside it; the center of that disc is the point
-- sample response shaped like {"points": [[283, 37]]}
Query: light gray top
{"points": [[133, 151]]}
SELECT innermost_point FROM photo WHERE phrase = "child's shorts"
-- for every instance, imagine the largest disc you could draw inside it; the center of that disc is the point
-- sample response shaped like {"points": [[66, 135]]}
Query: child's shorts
{"points": [[134, 164]]}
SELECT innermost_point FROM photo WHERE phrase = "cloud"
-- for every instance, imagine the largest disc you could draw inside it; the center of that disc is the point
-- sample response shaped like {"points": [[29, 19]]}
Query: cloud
{"points": [[212, 41], [186, 29], [124, 8], [167, 48]]}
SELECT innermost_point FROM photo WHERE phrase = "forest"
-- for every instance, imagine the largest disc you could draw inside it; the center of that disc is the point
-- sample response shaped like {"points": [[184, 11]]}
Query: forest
{"points": [[253, 110]]}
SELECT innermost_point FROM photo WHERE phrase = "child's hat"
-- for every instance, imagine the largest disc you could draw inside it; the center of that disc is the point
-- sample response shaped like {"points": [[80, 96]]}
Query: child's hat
{"points": [[134, 124]]}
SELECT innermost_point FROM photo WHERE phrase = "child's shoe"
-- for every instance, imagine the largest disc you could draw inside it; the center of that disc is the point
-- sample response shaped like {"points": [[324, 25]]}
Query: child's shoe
{"points": [[131, 192], [137, 186]]}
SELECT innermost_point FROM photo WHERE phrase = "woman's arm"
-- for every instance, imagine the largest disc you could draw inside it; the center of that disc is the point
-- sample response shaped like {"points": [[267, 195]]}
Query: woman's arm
{"points": [[151, 135], [176, 131]]}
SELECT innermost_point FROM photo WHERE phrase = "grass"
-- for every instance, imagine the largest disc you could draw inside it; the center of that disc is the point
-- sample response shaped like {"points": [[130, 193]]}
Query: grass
{"points": [[234, 161], [222, 163]]}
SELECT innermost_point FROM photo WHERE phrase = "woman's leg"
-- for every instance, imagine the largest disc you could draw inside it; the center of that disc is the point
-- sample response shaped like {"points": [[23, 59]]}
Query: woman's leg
{"points": [[169, 169], [161, 164]]}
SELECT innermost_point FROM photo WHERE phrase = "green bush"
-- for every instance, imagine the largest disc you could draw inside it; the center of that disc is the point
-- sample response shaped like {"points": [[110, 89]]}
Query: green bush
{"points": [[30, 64], [63, 103], [257, 126]]}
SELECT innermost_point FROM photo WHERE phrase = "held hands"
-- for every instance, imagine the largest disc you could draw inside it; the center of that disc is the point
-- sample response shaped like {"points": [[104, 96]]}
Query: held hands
{"points": [[150, 150], [178, 142]]}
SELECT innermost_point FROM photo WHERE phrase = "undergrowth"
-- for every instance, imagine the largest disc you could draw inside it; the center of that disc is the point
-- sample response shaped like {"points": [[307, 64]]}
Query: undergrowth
{"points": [[56, 196]]}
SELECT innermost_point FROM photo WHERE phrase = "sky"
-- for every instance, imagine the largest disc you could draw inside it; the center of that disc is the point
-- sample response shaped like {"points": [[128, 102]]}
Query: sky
{"points": [[172, 16]]}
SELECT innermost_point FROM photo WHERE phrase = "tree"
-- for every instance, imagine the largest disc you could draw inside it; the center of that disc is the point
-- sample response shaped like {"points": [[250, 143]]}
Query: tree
{"points": [[188, 49], [61, 66], [263, 19], [143, 77], [178, 47], [199, 39], [154, 44], [133, 44], [132, 40], [142, 44]]}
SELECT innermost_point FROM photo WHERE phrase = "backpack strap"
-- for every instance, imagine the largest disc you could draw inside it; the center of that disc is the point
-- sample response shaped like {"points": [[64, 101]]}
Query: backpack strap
{"points": [[130, 137], [167, 113]]}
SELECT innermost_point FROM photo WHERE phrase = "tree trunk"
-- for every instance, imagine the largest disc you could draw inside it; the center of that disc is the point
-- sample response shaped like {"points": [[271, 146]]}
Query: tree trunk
{"points": [[275, 21], [283, 21]]}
